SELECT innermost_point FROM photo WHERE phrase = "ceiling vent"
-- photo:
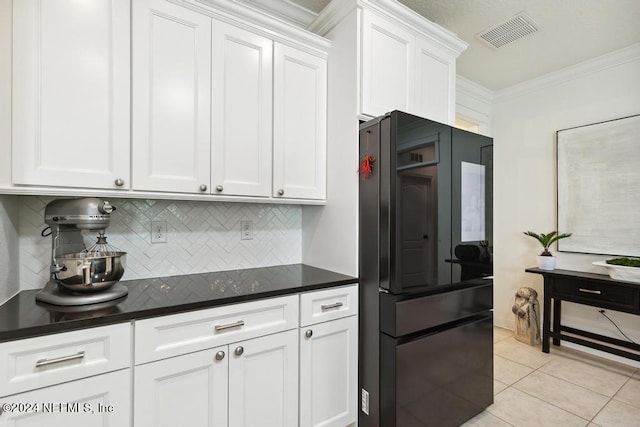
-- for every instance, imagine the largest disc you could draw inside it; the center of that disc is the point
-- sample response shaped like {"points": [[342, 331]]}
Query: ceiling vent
{"points": [[509, 31]]}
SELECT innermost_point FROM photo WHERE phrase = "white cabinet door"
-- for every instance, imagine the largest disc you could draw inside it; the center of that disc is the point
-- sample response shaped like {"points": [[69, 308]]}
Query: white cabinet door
{"points": [[191, 388], [300, 124], [263, 381], [388, 66], [71, 93], [102, 400], [329, 373], [241, 112], [171, 98], [435, 83]]}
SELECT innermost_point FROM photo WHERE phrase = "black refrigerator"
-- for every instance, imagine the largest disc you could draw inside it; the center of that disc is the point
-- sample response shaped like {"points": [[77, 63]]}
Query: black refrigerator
{"points": [[425, 269]]}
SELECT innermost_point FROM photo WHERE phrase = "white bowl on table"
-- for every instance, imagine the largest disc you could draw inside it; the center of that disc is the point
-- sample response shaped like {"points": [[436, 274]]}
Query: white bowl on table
{"points": [[621, 272]]}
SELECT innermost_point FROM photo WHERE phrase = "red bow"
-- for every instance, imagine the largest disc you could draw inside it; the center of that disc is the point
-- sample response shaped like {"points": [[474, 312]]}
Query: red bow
{"points": [[366, 166]]}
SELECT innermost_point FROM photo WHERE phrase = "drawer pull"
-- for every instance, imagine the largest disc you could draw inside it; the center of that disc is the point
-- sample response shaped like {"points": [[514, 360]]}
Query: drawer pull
{"points": [[237, 324], [331, 306], [590, 291], [45, 362]]}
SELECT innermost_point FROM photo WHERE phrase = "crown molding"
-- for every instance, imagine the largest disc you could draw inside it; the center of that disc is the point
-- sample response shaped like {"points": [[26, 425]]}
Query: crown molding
{"points": [[474, 90], [608, 60], [283, 9], [390, 9], [242, 14], [331, 16], [401, 13]]}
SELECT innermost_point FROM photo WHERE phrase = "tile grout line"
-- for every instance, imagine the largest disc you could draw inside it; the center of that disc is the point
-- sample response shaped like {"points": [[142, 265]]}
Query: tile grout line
{"points": [[561, 379]]}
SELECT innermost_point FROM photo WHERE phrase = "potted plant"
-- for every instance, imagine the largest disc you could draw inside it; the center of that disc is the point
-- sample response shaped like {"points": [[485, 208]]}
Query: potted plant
{"points": [[546, 260]]}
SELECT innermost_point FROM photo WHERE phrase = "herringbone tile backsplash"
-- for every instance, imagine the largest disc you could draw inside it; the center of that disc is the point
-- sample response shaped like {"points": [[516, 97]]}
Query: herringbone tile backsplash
{"points": [[202, 237]]}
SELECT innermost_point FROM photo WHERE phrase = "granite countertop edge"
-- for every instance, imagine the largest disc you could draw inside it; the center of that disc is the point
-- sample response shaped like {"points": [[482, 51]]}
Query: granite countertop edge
{"points": [[21, 317]]}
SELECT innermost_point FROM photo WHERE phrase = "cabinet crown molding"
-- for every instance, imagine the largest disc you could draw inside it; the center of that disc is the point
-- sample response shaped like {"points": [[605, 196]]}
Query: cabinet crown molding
{"points": [[237, 13], [391, 9]]}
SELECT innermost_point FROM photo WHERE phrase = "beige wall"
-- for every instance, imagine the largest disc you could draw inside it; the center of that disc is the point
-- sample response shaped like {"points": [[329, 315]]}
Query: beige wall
{"points": [[524, 122]]}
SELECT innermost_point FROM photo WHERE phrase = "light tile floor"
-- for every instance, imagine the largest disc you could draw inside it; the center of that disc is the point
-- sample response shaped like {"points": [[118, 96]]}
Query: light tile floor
{"points": [[563, 388]]}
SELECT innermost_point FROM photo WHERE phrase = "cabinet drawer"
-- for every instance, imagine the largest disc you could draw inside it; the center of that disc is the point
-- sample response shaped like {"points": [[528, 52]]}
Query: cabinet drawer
{"points": [[168, 336], [101, 400], [329, 304], [43, 361], [598, 294]]}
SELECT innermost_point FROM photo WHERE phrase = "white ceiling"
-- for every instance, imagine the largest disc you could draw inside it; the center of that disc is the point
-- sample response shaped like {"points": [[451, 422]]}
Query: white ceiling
{"points": [[571, 31]]}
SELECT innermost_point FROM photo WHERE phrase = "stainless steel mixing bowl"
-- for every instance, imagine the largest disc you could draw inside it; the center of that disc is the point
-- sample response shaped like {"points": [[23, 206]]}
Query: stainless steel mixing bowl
{"points": [[90, 272]]}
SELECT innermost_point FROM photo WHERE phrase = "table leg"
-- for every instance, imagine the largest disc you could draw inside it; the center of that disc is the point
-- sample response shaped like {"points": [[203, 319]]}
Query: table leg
{"points": [[546, 318], [557, 308]]}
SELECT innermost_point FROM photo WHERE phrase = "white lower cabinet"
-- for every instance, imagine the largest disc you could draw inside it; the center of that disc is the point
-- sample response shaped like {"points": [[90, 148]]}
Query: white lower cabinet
{"points": [[101, 400], [329, 373], [329, 357], [263, 381], [194, 384], [244, 384]]}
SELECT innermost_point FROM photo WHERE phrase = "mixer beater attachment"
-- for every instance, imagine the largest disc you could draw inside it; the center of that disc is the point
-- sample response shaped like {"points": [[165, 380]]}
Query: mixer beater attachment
{"points": [[101, 247]]}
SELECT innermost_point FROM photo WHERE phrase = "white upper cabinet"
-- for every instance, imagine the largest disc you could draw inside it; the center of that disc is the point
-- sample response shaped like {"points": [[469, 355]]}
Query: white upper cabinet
{"points": [[241, 112], [388, 66], [407, 63], [71, 93], [191, 99], [300, 124], [171, 98], [435, 82]]}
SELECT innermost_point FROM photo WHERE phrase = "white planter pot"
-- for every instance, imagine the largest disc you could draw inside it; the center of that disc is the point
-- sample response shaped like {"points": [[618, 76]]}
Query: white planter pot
{"points": [[546, 262]]}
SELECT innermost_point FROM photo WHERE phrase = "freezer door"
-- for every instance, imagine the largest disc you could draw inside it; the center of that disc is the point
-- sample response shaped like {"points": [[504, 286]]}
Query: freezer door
{"points": [[442, 379]]}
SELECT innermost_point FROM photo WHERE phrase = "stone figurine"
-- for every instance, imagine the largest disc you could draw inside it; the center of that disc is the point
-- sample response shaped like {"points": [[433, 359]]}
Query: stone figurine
{"points": [[527, 311]]}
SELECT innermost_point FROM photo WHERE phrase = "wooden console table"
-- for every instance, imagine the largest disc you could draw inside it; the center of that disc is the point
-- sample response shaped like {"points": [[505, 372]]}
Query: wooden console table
{"points": [[597, 290]]}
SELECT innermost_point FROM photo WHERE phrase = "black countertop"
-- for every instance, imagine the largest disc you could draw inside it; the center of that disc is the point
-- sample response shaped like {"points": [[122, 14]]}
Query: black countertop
{"points": [[22, 317]]}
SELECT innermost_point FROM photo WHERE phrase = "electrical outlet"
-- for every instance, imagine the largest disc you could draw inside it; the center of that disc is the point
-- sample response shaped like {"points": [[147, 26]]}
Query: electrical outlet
{"points": [[246, 230], [158, 231]]}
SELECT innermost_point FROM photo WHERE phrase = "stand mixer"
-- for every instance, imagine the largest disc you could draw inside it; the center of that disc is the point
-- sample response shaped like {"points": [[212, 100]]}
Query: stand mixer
{"points": [[81, 275]]}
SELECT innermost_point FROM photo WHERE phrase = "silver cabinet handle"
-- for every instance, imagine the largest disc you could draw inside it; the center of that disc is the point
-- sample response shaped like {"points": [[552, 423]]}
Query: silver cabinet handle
{"points": [[203, 187], [220, 355], [308, 333], [590, 291], [281, 192], [331, 306], [237, 324], [119, 182], [219, 188], [238, 351], [45, 362]]}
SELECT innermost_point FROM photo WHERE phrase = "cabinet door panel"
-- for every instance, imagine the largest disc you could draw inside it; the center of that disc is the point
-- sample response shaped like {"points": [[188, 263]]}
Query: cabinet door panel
{"points": [[103, 400], [71, 93], [171, 96], [241, 112], [388, 66], [263, 381], [329, 373], [435, 84], [191, 388], [300, 121]]}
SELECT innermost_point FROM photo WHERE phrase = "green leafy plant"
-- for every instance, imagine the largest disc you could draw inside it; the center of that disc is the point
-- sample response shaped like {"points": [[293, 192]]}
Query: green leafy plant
{"points": [[624, 261], [547, 240]]}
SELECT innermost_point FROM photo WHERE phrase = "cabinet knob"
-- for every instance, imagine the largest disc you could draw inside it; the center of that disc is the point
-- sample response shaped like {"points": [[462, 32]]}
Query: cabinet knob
{"points": [[220, 355], [203, 187], [281, 192], [238, 351], [219, 188], [308, 333], [119, 182]]}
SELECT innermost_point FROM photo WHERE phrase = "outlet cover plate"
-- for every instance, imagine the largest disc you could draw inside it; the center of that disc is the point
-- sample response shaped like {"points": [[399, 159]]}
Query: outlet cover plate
{"points": [[158, 231]]}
